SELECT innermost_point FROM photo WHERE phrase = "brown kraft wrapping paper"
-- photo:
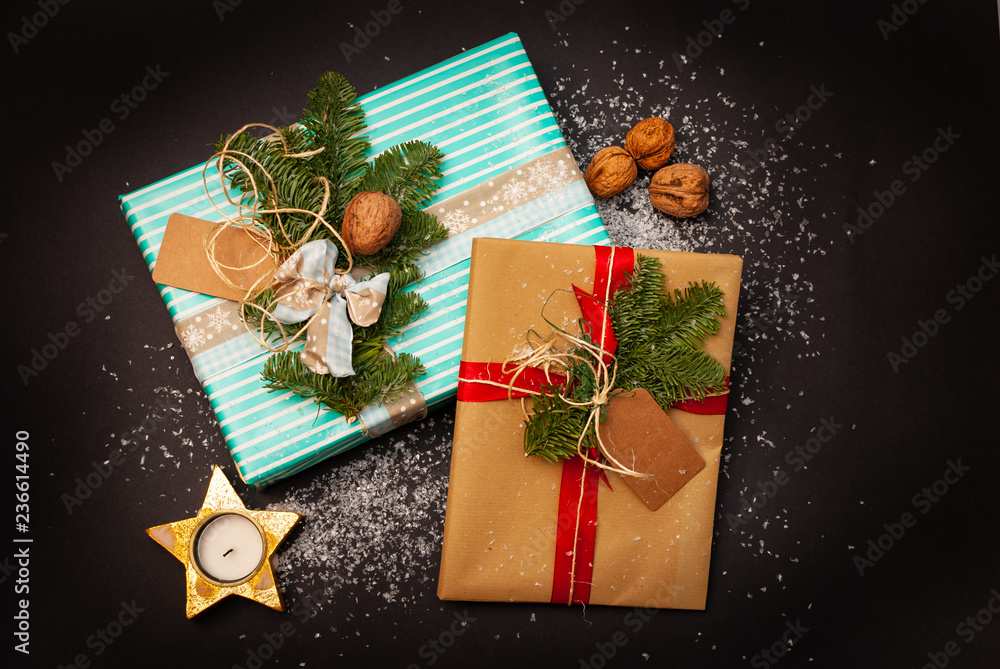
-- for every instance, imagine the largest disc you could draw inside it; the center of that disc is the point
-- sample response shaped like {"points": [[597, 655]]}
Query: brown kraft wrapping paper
{"points": [[502, 510]]}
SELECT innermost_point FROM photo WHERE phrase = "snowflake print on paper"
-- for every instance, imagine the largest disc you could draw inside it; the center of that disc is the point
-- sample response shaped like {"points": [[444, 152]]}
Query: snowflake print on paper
{"points": [[219, 320], [318, 368], [456, 221], [546, 175], [515, 192], [193, 337]]}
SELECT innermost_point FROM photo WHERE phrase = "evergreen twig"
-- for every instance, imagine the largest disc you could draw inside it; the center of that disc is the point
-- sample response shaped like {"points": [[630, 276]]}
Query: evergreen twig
{"points": [[408, 172], [384, 380]]}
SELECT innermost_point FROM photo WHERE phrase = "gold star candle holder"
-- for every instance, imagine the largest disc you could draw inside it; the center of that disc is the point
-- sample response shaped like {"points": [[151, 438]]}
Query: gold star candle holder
{"points": [[226, 549]]}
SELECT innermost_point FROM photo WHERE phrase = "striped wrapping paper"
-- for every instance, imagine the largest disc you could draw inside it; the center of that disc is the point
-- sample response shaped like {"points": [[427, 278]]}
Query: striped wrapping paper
{"points": [[507, 173]]}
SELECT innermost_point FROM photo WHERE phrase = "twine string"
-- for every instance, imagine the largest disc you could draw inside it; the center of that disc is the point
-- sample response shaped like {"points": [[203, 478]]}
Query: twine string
{"points": [[576, 535], [548, 357], [249, 220]]}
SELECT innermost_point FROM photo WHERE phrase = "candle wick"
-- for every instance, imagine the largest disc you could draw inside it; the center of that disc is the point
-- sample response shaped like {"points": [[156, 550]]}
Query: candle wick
{"points": [[227, 552]]}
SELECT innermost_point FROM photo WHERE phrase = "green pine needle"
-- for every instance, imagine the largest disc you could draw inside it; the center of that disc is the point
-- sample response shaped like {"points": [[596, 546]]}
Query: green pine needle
{"points": [[384, 380], [554, 428], [400, 309], [408, 172], [419, 230]]}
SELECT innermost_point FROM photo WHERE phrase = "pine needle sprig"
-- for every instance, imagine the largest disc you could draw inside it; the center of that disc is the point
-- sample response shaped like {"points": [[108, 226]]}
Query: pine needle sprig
{"points": [[553, 430], [402, 275], [379, 375], [251, 312], [385, 380], [294, 184], [634, 311], [408, 172], [400, 309], [672, 374], [660, 348], [335, 121], [693, 315]]}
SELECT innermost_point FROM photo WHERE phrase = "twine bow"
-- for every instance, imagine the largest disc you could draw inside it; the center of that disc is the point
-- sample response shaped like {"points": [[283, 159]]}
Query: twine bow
{"points": [[549, 356], [309, 287]]}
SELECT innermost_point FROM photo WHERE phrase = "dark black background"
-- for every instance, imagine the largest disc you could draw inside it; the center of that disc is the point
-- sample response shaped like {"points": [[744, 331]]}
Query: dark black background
{"points": [[62, 239]]}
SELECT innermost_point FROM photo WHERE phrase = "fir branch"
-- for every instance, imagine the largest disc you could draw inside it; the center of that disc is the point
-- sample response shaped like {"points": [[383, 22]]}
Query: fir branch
{"points": [[400, 309], [378, 377], [663, 333], [295, 184], [336, 120], [408, 172], [250, 313], [672, 373], [333, 122], [553, 429], [635, 310], [693, 315], [403, 275]]}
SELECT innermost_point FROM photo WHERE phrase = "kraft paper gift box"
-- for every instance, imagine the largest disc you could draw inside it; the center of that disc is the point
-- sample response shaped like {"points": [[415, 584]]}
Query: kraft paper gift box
{"points": [[507, 173], [502, 513]]}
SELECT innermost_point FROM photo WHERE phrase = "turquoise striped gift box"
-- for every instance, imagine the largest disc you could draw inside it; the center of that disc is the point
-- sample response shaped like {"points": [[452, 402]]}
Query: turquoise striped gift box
{"points": [[508, 172]]}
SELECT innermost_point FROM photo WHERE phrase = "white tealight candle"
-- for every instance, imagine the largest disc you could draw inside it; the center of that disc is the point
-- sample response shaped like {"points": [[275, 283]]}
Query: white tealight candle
{"points": [[229, 548]]}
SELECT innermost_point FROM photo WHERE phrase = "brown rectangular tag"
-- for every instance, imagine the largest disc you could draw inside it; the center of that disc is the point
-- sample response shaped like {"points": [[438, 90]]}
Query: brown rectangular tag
{"points": [[182, 262], [641, 436]]}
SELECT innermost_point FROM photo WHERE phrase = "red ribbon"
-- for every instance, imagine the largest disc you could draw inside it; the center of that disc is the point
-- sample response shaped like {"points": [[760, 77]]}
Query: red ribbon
{"points": [[713, 405], [612, 267], [530, 381], [576, 531]]}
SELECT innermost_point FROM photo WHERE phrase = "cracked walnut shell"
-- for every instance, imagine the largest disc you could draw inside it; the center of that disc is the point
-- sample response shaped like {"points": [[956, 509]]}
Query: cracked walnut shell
{"points": [[371, 220], [680, 190], [610, 172], [650, 142]]}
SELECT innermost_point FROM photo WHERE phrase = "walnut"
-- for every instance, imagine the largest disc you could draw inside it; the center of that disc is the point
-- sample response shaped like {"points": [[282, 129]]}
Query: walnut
{"points": [[680, 190], [650, 142], [371, 220], [610, 172]]}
